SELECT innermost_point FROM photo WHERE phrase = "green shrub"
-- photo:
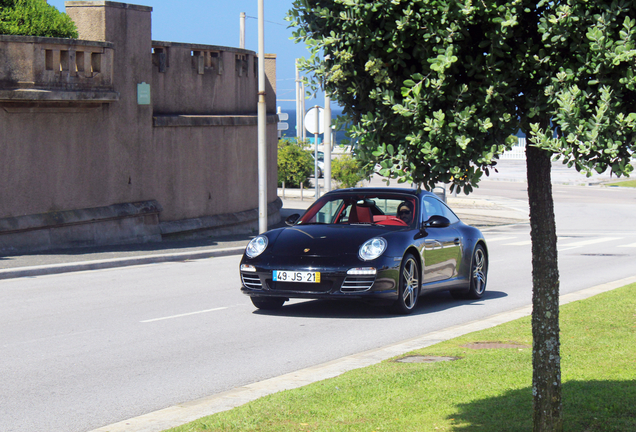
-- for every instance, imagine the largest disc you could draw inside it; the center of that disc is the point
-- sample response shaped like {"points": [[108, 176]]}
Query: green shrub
{"points": [[346, 171], [34, 18], [295, 164]]}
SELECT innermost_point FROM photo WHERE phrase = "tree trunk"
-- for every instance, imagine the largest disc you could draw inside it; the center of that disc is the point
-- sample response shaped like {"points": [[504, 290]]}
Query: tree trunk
{"points": [[546, 360]]}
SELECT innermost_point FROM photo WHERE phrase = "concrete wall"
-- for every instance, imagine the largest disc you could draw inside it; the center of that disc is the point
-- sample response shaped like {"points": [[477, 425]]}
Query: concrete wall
{"points": [[224, 80], [75, 137]]}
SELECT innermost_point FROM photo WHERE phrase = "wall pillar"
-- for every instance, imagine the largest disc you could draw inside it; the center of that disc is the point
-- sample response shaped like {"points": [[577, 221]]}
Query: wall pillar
{"points": [[128, 27]]}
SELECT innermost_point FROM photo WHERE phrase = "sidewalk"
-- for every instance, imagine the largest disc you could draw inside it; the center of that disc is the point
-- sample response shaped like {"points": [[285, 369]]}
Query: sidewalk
{"points": [[93, 258], [515, 170]]}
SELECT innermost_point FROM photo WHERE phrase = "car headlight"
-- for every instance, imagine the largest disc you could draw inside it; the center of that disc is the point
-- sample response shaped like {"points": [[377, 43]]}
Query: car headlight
{"points": [[256, 246], [373, 248]]}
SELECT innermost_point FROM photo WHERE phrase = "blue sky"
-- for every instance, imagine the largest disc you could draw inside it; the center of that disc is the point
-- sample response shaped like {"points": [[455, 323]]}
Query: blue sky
{"points": [[216, 22]]}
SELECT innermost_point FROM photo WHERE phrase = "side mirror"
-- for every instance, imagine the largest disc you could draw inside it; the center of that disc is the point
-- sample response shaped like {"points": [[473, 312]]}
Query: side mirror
{"points": [[436, 221], [291, 220]]}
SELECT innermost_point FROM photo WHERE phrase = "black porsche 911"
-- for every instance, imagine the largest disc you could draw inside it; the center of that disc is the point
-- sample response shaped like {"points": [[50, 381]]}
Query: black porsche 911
{"points": [[385, 245]]}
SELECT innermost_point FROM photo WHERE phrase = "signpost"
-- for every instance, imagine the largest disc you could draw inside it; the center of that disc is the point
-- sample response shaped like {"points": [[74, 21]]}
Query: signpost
{"points": [[314, 120], [282, 125], [315, 124]]}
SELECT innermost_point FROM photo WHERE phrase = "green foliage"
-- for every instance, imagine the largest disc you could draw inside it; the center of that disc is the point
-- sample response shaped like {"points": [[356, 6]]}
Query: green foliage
{"points": [[346, 171], [295, 164], [34, 18], [435, 88], [591, 94]]}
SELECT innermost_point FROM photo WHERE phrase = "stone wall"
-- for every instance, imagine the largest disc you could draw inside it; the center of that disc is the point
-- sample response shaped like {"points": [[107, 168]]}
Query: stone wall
{"points": [[117, 119]]}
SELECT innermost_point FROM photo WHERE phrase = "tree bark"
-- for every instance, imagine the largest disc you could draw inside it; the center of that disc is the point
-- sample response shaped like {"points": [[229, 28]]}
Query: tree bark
{"points": [[546, 359]]}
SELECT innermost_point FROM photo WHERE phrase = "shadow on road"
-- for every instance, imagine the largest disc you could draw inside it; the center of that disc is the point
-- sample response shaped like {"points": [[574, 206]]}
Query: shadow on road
{"points": [[351, 309]]}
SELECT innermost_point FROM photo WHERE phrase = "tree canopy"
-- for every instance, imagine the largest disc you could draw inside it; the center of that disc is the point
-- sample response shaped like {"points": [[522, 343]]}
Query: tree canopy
{"points": [[34, 18], [436, 88], [295, 164]]}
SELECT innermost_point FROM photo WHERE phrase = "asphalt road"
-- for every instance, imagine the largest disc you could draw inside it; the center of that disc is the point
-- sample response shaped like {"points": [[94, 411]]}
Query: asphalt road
{"points": [[83, 350]]}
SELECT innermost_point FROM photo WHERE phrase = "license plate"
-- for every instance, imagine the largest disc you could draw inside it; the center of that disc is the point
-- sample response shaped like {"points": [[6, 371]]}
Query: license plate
{"points": [[296, 276]]}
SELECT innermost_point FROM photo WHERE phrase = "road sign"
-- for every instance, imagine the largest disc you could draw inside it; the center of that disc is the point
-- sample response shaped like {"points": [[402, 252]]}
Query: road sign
{"points": [[283, 116], [283, 126], [315, 120]]}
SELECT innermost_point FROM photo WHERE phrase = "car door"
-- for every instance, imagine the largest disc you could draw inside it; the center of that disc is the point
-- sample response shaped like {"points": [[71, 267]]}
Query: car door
{"points": [[442, 246]]}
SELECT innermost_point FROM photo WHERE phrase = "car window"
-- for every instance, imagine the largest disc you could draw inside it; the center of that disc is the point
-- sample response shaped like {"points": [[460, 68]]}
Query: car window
{"points": [[376, 209], [450, 215], [432, 206], [328, 212]]}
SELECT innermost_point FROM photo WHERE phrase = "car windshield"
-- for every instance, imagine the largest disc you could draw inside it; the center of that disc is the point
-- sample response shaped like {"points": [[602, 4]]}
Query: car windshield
{"points": [[366, 209]]}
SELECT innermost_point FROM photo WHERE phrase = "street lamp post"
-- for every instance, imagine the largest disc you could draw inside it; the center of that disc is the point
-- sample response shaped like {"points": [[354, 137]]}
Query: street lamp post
{"points": [[300, 113], [328, 137], [242, 31], [262, 124], [327, 143]]}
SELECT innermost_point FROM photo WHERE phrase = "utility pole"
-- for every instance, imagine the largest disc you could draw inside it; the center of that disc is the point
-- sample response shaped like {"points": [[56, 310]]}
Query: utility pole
{"points": [[327, 135], [300, 115], [242, 31], [302, 108], [327, 143], [316, 132], [262, 124]]}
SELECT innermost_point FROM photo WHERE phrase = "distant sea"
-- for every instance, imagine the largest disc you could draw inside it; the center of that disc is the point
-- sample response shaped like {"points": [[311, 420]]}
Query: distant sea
{"points": [[291, 132], [340, 135]]}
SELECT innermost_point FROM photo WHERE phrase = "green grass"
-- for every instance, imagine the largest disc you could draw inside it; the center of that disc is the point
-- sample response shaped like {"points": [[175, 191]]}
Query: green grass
{"points": [[485, 390], [628, 183]]}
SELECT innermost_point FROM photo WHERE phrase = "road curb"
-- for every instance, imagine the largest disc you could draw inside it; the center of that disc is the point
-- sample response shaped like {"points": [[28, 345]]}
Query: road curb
{"points": [[116, 262], [184, 413]]}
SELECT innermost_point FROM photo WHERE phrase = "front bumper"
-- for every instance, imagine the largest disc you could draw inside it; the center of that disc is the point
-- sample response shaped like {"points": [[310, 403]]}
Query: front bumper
{"points": [[335, 282]]}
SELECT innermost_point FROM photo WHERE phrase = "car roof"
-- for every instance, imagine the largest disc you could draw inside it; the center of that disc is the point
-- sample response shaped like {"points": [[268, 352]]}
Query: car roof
{"points": [[381, 190]]}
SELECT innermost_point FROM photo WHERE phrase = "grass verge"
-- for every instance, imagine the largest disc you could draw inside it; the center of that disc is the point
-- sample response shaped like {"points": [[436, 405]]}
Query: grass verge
{"points": [[484, 390], [627, 183]]}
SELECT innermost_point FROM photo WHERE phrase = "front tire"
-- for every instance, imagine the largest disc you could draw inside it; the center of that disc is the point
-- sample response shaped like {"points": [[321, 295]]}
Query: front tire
{"points": [[409, 287], [268, 303]]}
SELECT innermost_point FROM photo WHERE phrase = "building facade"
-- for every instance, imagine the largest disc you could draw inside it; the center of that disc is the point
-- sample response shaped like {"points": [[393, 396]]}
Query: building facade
{"points": [[116, 138]]}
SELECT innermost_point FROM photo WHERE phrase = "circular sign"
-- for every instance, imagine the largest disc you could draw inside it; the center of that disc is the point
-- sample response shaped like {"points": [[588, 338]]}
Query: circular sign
{"points": [[315, 120]]}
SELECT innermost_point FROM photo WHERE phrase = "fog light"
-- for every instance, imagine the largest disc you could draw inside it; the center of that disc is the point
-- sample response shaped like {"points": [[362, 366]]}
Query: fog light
{"points": [[248, 268], [362, 271]]}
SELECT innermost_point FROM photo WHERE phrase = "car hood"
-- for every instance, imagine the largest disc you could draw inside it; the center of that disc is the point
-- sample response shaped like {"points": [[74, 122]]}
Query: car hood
{"points": [[325, 240]]}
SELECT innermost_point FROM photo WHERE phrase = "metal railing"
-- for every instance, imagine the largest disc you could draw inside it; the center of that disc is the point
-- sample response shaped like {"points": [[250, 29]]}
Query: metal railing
{"points": [[518, 152]]}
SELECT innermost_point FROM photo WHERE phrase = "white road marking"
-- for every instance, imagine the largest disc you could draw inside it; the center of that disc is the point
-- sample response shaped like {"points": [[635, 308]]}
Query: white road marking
{"points": [[183, 315], [521, 243], [586, 243], [496, 239], [633, 245]]}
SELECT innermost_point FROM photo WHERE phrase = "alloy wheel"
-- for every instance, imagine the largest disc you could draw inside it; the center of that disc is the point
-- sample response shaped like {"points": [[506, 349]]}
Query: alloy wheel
{"points": [[411, 280]]}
